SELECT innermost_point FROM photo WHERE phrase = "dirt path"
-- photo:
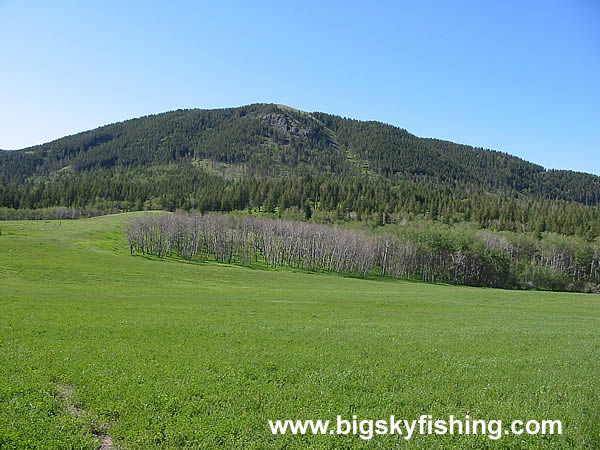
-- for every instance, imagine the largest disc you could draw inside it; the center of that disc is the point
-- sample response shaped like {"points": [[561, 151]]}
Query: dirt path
{"points": [[66, 394]]}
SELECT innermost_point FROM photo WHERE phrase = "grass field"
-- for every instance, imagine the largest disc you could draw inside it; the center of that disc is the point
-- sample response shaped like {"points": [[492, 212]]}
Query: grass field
{"points": [[94, 341]]}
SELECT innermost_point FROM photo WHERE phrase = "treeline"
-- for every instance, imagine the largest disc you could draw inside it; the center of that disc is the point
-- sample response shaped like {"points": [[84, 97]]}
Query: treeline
{"points": [[325, 199], [54, 213], [476, 259]]}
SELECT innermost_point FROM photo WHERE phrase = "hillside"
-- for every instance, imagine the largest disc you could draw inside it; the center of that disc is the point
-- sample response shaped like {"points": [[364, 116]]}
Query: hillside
{"points": [[275, 159], [273, 140]]}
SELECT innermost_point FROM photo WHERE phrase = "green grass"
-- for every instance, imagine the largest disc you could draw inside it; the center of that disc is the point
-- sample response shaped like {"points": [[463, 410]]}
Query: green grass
{"points": [[175, 354]]}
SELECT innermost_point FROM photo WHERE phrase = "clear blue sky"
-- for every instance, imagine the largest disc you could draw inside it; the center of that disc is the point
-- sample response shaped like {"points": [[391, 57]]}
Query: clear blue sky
{"points": [[517, 76]]}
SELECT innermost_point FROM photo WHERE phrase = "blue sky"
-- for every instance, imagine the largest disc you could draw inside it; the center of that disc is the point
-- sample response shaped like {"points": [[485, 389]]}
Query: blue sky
{"points": [[517, 76]]}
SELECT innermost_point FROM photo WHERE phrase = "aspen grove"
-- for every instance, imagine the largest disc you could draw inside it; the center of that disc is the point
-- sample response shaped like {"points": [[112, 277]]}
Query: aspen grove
{"points": [[483, 259]]}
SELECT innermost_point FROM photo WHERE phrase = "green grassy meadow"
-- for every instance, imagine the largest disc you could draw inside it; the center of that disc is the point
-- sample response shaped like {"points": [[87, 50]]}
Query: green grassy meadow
{"points": [[166, 353]]}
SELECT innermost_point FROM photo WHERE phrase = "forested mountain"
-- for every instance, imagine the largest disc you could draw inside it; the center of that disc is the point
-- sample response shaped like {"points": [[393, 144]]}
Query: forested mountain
{"points": [[263, 140], [273, 158], [272, 140]]}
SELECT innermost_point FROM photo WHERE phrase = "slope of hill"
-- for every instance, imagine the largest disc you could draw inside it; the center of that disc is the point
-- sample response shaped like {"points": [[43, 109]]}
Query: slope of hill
{"points": [[265, 139], [275, 159], [274, 140]]}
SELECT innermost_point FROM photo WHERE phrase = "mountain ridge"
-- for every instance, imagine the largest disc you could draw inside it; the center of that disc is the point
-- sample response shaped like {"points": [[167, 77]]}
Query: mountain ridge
{"points": [[271, 140]]}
